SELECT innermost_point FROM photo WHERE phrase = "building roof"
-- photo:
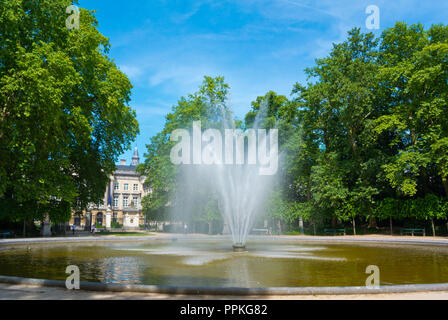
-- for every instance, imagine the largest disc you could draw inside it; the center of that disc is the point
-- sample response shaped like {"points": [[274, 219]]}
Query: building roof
{"points": [[126, 170]]}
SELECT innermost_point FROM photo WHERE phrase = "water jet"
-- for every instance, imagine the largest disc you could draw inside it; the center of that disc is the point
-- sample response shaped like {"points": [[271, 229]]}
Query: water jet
{"points": [[232, 175]]}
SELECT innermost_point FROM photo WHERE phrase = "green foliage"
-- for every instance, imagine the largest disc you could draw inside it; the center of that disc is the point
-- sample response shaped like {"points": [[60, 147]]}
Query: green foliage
{"points": [[414, 76], [365, 138], [205, 105], [211, 211], [429, 207], [116, 225], [368, 137], [64, 114], [388, 208], [99, 226], [287, 212]]}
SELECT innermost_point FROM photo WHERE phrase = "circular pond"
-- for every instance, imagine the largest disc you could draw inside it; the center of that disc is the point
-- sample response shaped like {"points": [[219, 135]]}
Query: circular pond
{"points": [[209, 263]]}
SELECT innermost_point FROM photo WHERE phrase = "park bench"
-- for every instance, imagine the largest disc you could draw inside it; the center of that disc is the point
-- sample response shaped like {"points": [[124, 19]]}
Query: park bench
{"points": [[413, 231], [335, 231], [5, 234], [260, 231]]}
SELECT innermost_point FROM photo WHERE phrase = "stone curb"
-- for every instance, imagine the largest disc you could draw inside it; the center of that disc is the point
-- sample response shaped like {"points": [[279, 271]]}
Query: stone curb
{"points": [[412, 241], [91, 286]]}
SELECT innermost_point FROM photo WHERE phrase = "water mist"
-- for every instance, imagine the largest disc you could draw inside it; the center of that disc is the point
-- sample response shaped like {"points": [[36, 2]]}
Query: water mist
{"points": [[233, 167]]}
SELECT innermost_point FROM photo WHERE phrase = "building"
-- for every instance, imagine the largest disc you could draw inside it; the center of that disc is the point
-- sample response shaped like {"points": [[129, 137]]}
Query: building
{"points": [[121, 206]]}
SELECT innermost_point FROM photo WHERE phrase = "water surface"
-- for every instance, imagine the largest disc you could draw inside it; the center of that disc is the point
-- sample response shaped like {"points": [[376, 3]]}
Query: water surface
{"points": [[212, 263]]}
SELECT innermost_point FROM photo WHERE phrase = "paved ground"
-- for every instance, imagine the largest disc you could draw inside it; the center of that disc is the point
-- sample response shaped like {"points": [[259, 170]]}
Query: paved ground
{"points": [[25, 292], [22, 292]]}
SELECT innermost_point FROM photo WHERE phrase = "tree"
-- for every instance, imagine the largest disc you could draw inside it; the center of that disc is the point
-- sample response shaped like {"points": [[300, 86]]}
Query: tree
{"points": [[206, 105], [64, 114], [337, 112], [388, 208], [211, 214], [268, 109], [414, 76]]}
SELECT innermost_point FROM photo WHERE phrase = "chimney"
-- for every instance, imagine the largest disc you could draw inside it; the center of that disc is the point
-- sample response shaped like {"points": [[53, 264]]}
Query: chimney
{"points": [[122, 162]]}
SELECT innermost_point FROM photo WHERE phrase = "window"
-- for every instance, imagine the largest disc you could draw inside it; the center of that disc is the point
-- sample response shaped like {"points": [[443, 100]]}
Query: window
{"points": [[116, 186], [135, 187], [116, 201], [135, 200], [99, 218], [126, 186], [115, 217], [125, 202]]}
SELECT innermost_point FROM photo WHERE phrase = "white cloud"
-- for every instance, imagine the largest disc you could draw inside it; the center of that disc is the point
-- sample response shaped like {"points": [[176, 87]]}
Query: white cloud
{"points": [[175, 64], [131, 71], [182, 75]]}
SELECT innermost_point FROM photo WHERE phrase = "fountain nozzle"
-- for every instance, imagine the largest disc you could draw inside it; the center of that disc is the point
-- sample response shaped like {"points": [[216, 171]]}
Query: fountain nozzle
{"points": [[239, 247]]}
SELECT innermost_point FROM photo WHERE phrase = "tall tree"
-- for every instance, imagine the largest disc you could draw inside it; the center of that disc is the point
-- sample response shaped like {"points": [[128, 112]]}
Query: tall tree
{"points": [[64, 114], [414, 75], [338, 113], [206, 105]]}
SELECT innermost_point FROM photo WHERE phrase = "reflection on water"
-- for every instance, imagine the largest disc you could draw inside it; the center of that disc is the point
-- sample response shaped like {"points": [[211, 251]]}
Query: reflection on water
{"points": [[212, 263], [121, 270]]}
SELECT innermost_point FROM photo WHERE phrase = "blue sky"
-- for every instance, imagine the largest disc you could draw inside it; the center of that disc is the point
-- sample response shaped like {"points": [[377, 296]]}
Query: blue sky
{"points": [[167, 47]]}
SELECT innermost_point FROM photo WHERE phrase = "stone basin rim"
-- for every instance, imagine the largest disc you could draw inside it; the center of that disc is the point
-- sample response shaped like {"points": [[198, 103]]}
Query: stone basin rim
{"points": [[229, 291], [316, 239]]}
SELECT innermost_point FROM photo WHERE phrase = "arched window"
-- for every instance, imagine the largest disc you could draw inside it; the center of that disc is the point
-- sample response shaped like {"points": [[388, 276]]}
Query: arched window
{"points": [[99, 218]]}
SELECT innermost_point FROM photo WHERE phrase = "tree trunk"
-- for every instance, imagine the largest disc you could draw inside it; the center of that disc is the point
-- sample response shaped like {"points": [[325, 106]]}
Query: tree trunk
{"points": [[391, 228], [314, 227], [279, 224], [24, 228], [209, 227], [333, 222], [354, 227], [445, 185], [90, 222], [372, 222], [425, 181], [353, 143], [301, 225], [433, 228]]}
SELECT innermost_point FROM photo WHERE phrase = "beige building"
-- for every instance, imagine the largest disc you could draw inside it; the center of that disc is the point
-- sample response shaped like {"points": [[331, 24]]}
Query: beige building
{"points": [[121, 206]]}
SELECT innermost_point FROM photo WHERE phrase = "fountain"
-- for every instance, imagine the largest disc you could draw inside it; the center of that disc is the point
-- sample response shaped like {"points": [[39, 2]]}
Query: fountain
{"points": [[239, 247], [238, 172], [242, 192]]}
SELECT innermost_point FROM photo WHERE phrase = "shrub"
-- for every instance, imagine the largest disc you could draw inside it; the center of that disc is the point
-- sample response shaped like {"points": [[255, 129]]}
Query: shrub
{"points": [[116, 225]]}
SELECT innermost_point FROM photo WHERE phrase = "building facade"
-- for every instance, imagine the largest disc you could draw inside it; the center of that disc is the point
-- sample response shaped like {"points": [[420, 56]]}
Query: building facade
{"points": [[121, 206]]}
